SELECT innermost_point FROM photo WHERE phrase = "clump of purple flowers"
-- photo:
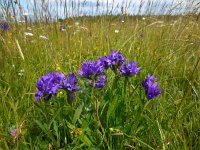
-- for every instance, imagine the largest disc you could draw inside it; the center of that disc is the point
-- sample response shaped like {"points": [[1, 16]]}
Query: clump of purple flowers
{"points": [[50, 83], [100, 81], [116, 58], [129, 69], [69, 84], [90, 69], [95, 72], [4, 26], [104, 61], [151, 87]]}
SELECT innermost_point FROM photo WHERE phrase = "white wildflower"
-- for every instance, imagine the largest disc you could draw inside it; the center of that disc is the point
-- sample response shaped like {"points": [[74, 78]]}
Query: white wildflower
{"points": [[25, 13], [76, 23], [28, 34], [29, 28], [21, 72], [43, 37], [116, 31]]}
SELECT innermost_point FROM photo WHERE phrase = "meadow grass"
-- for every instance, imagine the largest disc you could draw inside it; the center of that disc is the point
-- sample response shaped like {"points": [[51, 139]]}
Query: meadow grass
{"points": [[165, 46]]}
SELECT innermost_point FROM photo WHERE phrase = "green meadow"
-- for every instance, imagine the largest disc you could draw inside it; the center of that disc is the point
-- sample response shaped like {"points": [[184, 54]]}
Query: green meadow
{"points": [[118, 116]]}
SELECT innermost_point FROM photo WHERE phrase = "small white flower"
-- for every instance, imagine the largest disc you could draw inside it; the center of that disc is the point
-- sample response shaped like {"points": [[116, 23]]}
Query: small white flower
{"points": [[13, 65], [43, 37], [28, 34], [76, 23], [25, 13], [21, 21], [21, 72], [116, 31], [29, 28], [143, 18], [122, 21], [62, 30]]}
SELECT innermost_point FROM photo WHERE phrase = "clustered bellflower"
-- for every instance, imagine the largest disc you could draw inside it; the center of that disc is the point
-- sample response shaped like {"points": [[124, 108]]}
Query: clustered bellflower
{"points": [[129, 69], [104, 61], [95, 72], [90, 69], [116, 58], [100, 81], [151, 87], [69, 84], [50, 83], [4, 26]]}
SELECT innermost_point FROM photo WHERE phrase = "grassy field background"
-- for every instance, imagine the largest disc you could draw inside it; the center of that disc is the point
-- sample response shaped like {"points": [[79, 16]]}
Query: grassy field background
{"points": [[165, 46]]}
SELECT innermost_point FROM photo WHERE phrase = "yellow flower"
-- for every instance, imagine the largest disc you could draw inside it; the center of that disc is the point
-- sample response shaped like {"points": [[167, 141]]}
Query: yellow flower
{"points": [[58, 67], [76, 131], [60, 94], [111, 129], [12, 17]]}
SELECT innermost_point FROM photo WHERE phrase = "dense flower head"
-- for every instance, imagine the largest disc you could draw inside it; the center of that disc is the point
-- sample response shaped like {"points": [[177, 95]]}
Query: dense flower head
{"points": [[14, 132], [69, 83], [101, 82], [116, 58], [49, 84], [104, 61], [90, 69], [4, 26], [129, 69], [151, 87]]}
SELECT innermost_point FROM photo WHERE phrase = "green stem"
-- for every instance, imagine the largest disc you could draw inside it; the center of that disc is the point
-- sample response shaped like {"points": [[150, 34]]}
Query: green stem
{"points": [[115, 81], [96, 107], [125, 99]]}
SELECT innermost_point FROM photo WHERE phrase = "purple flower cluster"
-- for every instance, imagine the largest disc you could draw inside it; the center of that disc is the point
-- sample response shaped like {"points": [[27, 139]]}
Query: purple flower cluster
{"points": [[95, 70], [104, 61], [116, 58], [4, 26], [100, 82], [151, 87], [90, 69], [129, 69], [50, 83], [70, 83]]}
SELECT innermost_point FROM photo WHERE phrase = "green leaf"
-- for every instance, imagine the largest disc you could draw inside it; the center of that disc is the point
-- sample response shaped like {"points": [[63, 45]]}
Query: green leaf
{"points": [[46, 131], [85, 140], [77, 114], [111, 108], [52, 120]]}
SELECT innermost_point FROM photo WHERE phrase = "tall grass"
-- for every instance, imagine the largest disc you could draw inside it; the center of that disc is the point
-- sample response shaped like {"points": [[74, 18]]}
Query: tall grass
{"points": [[164, 45]]}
